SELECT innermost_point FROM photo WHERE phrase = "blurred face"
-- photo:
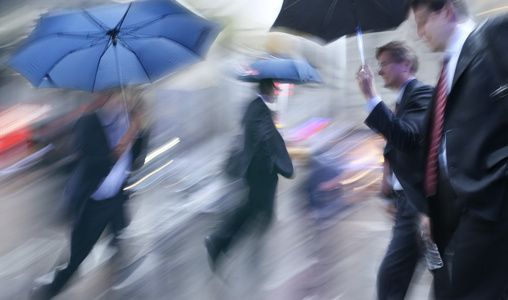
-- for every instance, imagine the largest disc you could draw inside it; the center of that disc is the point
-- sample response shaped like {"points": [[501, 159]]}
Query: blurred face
{"points": [[435, 26], [270, 91], [393, 73]]}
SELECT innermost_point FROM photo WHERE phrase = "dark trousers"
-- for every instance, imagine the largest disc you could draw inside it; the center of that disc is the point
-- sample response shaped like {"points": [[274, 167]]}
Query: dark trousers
{"points": [[474, 250], [257, 210], [400, 261], [87, 229]]}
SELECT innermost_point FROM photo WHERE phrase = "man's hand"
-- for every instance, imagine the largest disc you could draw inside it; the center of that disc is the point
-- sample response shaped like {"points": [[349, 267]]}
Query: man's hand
{"points": [[391, 210], [129, 137], [424, 226], [365, 80]]}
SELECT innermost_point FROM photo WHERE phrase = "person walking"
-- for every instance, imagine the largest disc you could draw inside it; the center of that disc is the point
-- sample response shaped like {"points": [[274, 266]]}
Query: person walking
{"points": [[466, 148], [398, 65], [260, 160], [107, 145]]}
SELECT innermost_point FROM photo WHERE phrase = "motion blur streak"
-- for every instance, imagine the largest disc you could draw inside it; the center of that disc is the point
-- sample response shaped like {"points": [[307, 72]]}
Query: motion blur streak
{"points": [[162, 149], [144, 178]]}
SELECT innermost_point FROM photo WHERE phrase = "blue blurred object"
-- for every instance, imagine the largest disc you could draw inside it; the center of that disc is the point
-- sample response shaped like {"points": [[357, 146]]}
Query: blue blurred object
{"points": [[325, 204], [112, 46], [283, 70]]}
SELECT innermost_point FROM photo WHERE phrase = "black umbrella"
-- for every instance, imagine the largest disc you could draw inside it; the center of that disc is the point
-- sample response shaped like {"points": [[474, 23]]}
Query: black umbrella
{"points": [[332, 19]]}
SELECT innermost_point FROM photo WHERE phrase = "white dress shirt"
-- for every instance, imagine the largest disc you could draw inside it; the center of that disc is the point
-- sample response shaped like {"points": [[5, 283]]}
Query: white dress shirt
{"points": [[452, 53], [115, 126]]}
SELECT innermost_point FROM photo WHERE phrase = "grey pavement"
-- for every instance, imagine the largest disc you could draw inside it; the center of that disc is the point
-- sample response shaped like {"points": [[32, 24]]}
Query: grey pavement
{"points": [[162, 255]]}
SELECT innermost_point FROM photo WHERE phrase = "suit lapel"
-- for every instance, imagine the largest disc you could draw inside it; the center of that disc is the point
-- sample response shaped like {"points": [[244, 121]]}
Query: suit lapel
{"points": [[400, 109], [403, 99], [472, 47], [100, 130]]}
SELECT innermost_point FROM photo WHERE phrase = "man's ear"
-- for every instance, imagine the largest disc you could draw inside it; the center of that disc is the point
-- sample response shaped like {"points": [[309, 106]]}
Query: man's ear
{"points": [[449, 11], [407, 66]]}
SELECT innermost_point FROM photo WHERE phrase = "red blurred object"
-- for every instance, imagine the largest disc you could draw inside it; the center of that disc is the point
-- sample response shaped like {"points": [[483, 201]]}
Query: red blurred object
{"points": [[15, 137], [285, 89]]}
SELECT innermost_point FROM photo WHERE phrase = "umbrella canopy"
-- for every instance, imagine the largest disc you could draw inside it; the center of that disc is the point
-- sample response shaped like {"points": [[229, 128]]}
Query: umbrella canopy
{"points": [[111, 46], [283, 70], [332, 19]]}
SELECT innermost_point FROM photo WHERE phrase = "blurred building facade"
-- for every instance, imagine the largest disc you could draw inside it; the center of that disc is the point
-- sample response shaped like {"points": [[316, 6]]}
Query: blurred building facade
{"points": [[206, 100]]}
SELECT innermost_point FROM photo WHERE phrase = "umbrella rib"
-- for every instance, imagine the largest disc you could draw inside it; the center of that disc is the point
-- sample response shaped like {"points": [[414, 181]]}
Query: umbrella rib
{"points": [[108, 44], [387, 13], [123, 18], [135, 54], [291, 4], [161, 37], [98, 22], [329, 13], [97, 35], [64, 56], [136, 26]]}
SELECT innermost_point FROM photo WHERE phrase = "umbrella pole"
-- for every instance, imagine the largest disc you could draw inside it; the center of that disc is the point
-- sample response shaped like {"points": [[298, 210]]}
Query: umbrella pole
{"points": [[119, 72], [359, 38]]}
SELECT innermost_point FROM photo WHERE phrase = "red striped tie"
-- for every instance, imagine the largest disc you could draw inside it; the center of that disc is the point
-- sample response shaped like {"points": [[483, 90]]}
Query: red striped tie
{"points": [[437, 129]]}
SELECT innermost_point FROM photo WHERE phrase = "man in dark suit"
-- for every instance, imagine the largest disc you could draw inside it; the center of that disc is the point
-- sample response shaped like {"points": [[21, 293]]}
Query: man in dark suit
{"points": [[107, 143], [262, 158], [466, 144], [398, 65]]}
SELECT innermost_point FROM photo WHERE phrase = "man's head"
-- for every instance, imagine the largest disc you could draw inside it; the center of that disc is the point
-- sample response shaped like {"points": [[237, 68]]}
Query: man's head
{"points": [[436, 20], [267, 87], [397, 63]]}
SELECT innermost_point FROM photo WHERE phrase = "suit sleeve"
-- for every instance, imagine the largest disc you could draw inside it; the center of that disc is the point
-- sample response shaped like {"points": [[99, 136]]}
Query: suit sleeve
{"points": [[139, 149], [403, 132], [261, 133]]}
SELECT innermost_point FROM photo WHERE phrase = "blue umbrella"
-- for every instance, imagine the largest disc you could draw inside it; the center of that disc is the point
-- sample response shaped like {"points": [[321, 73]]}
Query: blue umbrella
{"points": [[283, 70], [112, 46]]}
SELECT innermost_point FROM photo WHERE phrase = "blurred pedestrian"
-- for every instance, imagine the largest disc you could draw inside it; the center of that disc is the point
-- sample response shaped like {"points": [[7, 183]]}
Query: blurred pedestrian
{"points": [[398, 65], [107, 143], [466, 143], [260, 160], [324, 190]]}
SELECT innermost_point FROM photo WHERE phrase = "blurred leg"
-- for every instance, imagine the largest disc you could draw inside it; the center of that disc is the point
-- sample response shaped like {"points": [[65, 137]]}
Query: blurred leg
{"points": [[400, 261]]}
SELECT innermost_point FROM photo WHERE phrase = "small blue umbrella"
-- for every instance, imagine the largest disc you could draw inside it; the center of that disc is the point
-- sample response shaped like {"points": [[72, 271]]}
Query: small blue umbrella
{"points": [[113, 46], [283, 70]]}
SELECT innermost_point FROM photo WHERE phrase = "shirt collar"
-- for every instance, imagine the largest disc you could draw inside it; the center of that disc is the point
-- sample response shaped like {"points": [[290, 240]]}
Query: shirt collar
{"points": [[458, 37], [266, 98], [403, 88]]}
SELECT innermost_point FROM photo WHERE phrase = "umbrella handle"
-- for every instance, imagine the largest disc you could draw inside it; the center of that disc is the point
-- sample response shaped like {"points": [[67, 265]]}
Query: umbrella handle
{"points": [[121, 85]]}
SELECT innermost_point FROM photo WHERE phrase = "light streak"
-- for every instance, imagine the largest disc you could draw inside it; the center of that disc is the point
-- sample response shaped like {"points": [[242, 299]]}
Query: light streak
{"points": [[144, 178], [177, 182], [492, 10], [162, 149], [367, 184], [357, 177]]}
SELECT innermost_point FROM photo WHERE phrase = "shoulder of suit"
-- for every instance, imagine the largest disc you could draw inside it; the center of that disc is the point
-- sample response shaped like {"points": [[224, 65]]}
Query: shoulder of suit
{"points": [[88, 119], [258, 103], [417, 85]]}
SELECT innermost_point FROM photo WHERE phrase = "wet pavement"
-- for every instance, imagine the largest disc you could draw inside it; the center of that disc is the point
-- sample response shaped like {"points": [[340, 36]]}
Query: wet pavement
{"points": [[162, 255]]}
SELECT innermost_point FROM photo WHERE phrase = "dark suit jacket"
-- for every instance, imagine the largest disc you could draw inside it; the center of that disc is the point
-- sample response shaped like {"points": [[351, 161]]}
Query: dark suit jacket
{"points": [[263, 144], [403, 134], [476, 131], [94, 160]]}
